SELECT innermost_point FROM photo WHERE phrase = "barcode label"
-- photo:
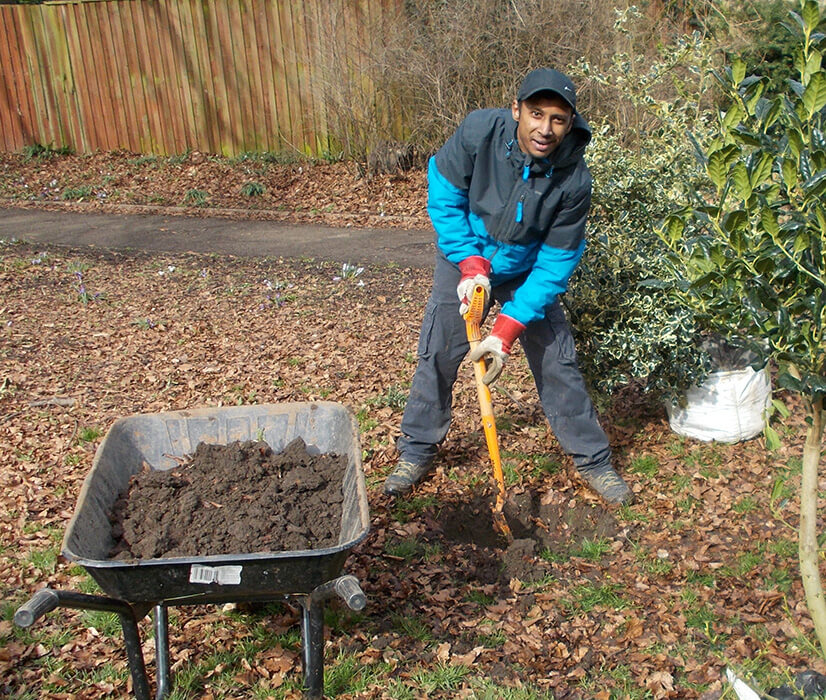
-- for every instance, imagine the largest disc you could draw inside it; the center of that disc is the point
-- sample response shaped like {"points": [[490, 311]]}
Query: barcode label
{"points": [[222, 575]]}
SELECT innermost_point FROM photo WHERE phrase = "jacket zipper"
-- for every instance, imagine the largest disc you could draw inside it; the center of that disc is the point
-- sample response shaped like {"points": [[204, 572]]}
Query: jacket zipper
{"points": [[526, 173]]}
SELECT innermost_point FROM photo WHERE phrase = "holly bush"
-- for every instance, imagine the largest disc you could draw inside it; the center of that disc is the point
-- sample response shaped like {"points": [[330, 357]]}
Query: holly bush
{"points": [[626, 325]]}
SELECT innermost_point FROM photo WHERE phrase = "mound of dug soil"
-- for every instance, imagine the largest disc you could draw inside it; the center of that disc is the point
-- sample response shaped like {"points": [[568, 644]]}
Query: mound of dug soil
{"points": [[239, 498]]}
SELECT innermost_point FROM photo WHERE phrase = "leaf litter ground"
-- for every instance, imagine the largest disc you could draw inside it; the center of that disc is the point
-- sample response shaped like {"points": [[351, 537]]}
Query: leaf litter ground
{"points": [[652, 600]]}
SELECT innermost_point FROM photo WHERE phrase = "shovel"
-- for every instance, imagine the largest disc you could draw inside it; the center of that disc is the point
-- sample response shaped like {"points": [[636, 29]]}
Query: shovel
{"points": [[473, 319]]}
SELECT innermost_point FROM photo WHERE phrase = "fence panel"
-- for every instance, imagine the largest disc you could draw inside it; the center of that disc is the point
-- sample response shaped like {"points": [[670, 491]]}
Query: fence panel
{"points": [[164, 76]]}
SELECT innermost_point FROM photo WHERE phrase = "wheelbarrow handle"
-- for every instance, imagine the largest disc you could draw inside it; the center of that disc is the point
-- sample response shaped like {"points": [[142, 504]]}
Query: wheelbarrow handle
{"points": [[42, 602], [350, 592]]}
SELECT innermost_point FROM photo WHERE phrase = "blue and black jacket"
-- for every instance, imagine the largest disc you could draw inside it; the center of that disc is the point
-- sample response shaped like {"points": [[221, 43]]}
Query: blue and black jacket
{"points": [[527, 217]]}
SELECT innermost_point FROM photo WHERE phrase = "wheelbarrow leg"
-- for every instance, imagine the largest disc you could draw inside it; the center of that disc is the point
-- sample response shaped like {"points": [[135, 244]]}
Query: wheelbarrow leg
{"points": [[161, 624], [312, 632], [312, 627]]}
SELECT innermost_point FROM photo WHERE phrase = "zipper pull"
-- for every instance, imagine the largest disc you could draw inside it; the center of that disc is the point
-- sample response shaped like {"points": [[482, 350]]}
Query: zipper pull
{"points": [[526, 171], [519, 209]]}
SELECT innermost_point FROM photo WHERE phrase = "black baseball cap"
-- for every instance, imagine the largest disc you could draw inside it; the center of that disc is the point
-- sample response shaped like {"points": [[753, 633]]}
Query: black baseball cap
{"points": [[547, 80]]}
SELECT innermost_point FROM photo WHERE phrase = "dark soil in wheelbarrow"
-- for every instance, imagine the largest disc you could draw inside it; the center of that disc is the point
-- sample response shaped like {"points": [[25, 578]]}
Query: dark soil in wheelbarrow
{"points": [[239, 498]]}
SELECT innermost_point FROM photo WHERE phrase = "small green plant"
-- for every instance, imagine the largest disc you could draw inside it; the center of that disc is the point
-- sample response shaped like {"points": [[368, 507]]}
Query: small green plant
{"points": [[252, 189], [77, 193], [365, 421], [747, 504], [196, 197], [143, 160], [542, 464], [84, 295], [394, 396], [88, 434], [406, 549], [179, 158], [492, 640], [36, 151], [349, 272], [553, 556]]}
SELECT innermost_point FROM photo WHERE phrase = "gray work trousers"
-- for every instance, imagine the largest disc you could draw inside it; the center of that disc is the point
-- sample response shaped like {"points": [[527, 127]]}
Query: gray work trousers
{"points": [[549, 348]]}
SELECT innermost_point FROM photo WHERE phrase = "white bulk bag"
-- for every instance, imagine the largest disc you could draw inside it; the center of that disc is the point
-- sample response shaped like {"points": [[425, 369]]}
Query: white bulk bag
{"points": [[728, 406]]}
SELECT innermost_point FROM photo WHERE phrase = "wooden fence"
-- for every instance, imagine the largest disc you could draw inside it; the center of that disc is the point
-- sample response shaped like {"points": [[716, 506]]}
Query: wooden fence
{"points": [[165, 76]]}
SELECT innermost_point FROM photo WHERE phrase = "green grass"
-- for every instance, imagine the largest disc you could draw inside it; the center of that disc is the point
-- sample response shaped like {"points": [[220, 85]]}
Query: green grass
{"points": [[44, 560], [492, 640], [348, 675], [107, 623], [406, 509], [644, 465], [480, 598], [406, 549], [486, 689], [748, 562], [704, 579], [439, 678], [783, 548], [586, 597], [553, 556], [593, 550], [680, 482], [411, 627]]}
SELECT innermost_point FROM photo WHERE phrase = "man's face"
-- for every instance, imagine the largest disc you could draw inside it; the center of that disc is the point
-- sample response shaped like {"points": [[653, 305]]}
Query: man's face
{"points": [[544, 120]]}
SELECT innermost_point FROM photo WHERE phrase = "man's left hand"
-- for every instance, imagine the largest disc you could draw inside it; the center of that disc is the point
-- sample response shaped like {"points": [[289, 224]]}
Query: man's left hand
{"points": [[498, 346]]}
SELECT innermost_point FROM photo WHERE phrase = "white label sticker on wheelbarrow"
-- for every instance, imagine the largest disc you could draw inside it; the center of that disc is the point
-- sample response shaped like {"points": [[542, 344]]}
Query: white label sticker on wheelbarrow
{"points": [[223, 575]]}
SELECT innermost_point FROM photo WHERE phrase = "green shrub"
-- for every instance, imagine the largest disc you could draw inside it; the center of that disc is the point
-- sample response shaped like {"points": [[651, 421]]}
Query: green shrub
{"points": [[626, 327]]}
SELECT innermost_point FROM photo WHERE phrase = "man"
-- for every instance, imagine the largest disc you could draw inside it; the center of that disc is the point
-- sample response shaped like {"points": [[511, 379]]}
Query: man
{"points": [[508, 195]]}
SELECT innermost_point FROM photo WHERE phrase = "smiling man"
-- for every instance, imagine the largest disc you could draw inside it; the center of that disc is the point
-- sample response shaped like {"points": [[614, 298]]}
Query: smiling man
{"points": [[508, 195]]}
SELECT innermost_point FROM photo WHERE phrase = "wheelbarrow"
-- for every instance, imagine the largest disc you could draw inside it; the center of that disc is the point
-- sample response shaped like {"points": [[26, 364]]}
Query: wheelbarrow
{"points": [[134, 588]]}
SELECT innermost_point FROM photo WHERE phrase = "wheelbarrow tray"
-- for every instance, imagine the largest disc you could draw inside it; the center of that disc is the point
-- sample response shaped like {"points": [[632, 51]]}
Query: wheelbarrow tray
{"points": [[136, 441]]}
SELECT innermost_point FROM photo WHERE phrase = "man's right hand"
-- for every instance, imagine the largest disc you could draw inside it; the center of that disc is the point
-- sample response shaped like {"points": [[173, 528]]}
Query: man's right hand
{"points": [[475, 270]]}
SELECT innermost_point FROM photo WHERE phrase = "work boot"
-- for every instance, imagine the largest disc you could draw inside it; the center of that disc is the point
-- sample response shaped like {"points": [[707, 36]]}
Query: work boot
{"points": [[404, 476], [608, 484]]}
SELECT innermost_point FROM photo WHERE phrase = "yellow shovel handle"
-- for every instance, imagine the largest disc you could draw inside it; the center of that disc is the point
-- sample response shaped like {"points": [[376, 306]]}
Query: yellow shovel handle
{"points": [[473, 319]]}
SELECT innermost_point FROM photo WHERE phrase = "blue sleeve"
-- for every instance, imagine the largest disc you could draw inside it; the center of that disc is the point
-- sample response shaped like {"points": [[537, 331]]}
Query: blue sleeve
{"points": [[546, 281], [448, 208]]}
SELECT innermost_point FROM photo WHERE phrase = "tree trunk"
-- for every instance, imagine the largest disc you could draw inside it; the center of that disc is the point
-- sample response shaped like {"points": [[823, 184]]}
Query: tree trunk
{"points": [[808, 549]]}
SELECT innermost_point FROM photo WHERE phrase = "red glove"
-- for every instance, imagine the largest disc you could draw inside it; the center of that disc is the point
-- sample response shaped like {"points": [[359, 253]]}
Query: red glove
{"points": [[475, 270], [498, 346]]}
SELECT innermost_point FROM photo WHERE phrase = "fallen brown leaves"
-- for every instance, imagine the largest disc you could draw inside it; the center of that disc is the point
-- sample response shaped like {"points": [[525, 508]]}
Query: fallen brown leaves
{"points": [[701, 572]]}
